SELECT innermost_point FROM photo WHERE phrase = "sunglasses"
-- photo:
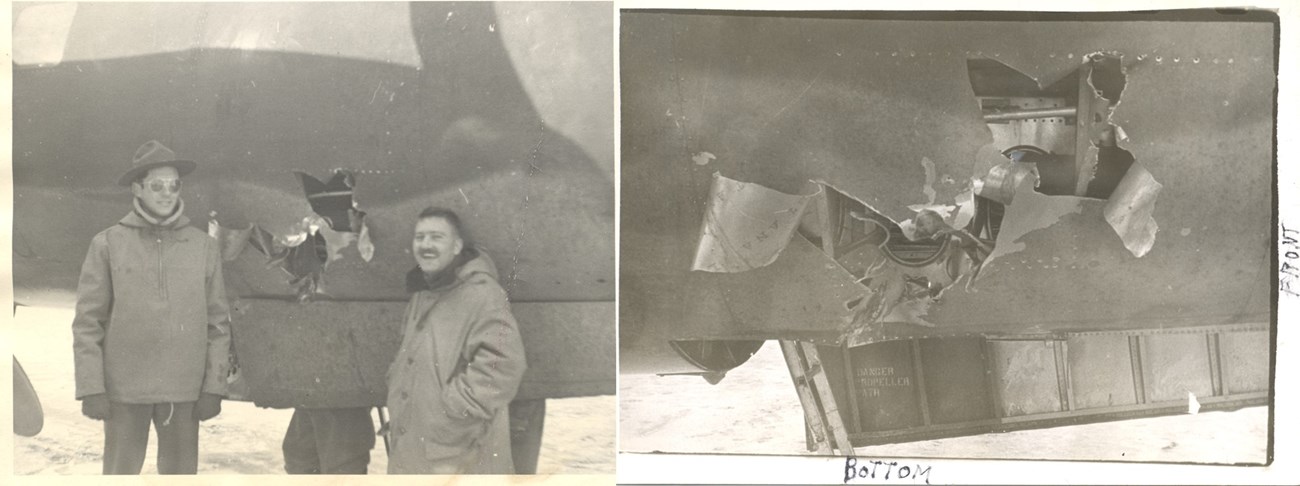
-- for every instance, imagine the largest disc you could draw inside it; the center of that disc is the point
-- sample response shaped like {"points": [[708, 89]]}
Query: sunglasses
{"points": [[164, 185]]}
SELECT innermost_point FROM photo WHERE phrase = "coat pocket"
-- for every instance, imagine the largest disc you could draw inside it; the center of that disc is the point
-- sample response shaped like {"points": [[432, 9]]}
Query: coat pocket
{"points": [[457, 432], [450, 459]]}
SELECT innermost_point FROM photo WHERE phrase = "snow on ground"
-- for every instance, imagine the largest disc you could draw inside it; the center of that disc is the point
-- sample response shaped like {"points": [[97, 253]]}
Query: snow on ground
{"points": [[755, 410], [578, 437]]}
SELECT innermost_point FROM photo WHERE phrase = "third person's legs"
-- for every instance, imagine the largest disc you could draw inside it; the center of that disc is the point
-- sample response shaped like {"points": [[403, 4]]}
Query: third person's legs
{"points": [[300, 456]]}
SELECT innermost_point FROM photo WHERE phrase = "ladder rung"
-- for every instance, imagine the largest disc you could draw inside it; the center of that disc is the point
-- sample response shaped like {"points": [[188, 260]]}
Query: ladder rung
{"points": [[824, 423]]}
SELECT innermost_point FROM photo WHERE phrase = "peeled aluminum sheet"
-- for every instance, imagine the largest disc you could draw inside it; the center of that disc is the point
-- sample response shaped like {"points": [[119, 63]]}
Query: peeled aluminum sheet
{"points": [[745, 226], [1129, 210]]}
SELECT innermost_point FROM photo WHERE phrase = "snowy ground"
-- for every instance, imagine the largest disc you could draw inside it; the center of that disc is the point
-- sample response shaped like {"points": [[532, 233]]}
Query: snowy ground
{"points": [[755, 410], [578, 437]]}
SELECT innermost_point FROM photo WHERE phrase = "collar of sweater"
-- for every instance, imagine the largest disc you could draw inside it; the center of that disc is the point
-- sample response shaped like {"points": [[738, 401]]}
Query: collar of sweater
{"points": [[165, 222]]}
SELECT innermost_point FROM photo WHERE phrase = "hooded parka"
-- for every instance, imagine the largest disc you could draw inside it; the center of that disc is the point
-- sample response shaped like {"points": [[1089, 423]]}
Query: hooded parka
{"points": [[450, 387], [151, 323]]}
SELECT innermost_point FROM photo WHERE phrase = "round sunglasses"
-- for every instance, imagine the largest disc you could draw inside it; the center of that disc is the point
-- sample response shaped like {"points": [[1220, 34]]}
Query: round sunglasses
{"points": [[164, 185]]}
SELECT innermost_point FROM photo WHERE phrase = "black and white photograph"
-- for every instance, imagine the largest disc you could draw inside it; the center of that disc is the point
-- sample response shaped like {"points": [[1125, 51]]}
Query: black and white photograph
{"points": [[652, 242], [313, 238], [961, 235]]}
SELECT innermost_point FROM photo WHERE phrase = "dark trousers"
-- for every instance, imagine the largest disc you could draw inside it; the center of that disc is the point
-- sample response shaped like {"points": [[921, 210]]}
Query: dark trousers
{"points": [[329, 441], [126, 435], [526, 420]]}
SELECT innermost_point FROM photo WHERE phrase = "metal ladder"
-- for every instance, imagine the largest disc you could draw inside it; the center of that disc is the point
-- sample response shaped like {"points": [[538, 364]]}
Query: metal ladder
{"points": [[824, 423]]}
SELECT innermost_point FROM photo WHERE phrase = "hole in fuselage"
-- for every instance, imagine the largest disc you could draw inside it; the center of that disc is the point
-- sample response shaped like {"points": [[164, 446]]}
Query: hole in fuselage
{"points": [[332, 200], [1107, 76], [1050, 129], [1030, 124], [1113, 162]]}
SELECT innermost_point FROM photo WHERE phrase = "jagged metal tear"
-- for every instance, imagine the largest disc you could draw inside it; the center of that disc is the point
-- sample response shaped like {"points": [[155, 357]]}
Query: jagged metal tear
{"points": [[1030, 211], [332, 200], [1130, 206], [745, 225], [304, 254], [957, 215], [1129, 210]]}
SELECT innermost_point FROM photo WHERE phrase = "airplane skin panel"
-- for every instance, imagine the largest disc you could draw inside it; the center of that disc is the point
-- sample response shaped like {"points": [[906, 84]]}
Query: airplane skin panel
{"points": [[884, 111], [237, 115], [756, 93], [1068, 278], [570, 348], [819, 304], [341, 351]]}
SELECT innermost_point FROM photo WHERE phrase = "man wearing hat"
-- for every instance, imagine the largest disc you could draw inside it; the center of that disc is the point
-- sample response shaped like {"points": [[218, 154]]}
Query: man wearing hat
{"points": [[151, 337]]}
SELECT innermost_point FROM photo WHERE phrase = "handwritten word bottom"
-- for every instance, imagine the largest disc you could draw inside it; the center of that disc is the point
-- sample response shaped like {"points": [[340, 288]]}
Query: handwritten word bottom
{"points": [[865, 469]]}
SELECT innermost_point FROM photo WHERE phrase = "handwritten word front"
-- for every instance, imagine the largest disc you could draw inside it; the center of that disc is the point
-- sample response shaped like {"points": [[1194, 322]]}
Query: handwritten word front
{"points": [[1289, 262]]}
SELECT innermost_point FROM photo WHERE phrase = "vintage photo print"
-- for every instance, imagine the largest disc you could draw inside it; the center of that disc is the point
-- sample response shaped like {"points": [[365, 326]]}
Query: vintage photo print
{"points": [[313, 238], [961, 235]]}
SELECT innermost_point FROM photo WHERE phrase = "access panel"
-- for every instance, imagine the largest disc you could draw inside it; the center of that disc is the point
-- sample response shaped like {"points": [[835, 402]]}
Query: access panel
{"points": [[912, 389]]}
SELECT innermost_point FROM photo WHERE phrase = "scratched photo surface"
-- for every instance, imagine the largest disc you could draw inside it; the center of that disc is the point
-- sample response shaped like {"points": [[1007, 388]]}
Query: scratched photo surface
{"points": [[319, 132], [1021, 236]]}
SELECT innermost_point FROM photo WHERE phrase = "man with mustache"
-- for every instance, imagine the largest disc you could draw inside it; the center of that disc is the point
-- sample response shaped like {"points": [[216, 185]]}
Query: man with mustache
{"points": [[461, 359], [151, 335]]}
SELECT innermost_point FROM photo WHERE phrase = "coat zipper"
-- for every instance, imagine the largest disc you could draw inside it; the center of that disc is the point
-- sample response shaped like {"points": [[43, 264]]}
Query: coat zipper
{"points": [[162, 286]]}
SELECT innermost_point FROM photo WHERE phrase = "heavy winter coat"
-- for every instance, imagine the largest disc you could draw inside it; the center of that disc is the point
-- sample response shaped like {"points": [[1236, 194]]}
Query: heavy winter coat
{"points": [[151, 322], [450, 387]]}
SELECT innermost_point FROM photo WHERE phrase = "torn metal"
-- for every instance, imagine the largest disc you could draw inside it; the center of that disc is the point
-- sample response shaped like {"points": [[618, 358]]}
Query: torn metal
{"points": [[302, 256], [842, 107], [905, 267], [1038, 170], [1130, 209], [1063, 159], [745, 225], [1031, 211], [306, 250], [333, 200], [804, 294]]}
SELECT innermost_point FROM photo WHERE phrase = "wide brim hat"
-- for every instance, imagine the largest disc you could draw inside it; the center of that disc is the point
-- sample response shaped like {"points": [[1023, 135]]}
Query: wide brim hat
{"points": [[154, 154]]}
